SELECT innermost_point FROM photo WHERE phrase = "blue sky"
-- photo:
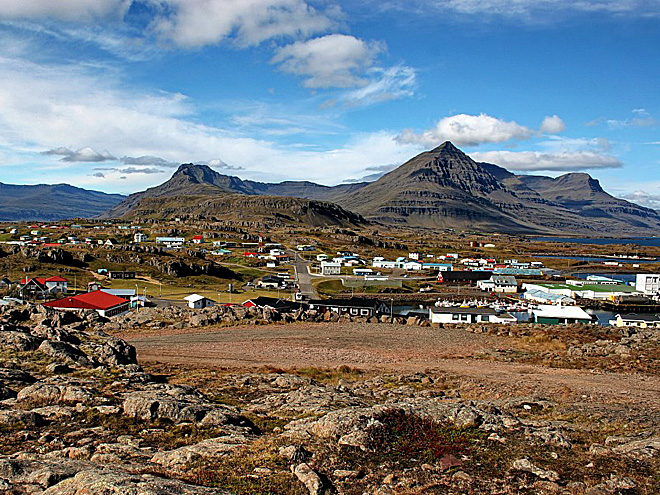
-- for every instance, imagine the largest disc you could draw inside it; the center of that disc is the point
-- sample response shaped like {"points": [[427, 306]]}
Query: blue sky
{"points": [[113, 94]]}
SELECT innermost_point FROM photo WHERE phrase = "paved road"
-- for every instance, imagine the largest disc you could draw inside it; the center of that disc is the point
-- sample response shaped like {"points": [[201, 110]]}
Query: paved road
{"points": [[303, 278]]}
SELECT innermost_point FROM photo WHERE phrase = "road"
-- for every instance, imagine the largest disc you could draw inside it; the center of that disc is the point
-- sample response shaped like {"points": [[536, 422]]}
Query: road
{"points": [[303, 278]]}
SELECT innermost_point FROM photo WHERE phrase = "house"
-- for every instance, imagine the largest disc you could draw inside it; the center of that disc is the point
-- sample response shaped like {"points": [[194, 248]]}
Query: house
{"points": [[636, 320], [104, 304], [322, 257], [546, 297], [195, 301], [649, 284], [198, 239], [280, 305], [353, 306], [41, 286], [439, 315], [140, 237], [441, 267], [121, 275], [171, 242], [412, 266], [330, 268], [305, 247], [270, 282], [362, 271], [463, 276], [251, 254], [5, 283], [92, 286], [110, 242], [221, 252], [560, 315], [499, 283], [415, 256]]}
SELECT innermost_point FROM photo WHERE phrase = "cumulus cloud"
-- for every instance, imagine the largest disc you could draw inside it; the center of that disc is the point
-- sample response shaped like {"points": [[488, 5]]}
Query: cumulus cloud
{"points": [[86, 155], [332, 61], [552, 125], [539, 160], [467, 130], [195, 23], [472, 130], [643, 198]]}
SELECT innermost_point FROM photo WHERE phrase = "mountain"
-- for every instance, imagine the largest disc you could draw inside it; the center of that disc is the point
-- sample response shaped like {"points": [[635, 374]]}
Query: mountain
{"points": [[197, 191], [441, 188], [54, 202]]}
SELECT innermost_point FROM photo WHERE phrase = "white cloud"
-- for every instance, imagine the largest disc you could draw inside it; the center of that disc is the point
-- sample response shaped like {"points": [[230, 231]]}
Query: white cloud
{"points": [[552, 125], [86, 155], [536, 11], [63, 9], [566, 161], [467, 130], [195, 23], [641, 118], [44, 106], [148, 160], [385, 84], [643, 198], [218, 163], [332, 61]]}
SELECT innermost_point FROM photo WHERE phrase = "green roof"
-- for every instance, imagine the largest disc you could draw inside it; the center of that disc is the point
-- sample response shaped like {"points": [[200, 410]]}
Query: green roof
{"points": [[607, 288]]}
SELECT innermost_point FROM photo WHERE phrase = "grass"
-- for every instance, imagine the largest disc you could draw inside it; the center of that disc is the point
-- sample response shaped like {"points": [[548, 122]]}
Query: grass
{"points": [[329, 375], [408, 438]]}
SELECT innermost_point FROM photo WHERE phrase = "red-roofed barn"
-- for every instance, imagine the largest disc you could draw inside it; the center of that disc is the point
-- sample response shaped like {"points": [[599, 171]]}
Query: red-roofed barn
{"points": [[103, 303]]}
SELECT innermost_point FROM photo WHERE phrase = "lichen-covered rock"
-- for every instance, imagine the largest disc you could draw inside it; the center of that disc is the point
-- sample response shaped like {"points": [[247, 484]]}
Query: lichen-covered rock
{"points": [[19, 341], [178, 404], [178, 459], [63, 351], [50, 394], [99, 482]]}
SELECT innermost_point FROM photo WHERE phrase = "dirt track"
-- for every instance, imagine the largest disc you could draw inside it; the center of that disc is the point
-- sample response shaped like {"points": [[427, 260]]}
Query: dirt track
{"points": [[388, 348]]}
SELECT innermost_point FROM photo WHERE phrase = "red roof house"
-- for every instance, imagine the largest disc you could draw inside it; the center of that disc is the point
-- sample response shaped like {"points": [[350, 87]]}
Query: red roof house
{"points": [[105, 304]]}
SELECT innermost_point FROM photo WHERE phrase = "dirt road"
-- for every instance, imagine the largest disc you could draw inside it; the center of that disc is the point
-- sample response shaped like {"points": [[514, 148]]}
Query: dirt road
{"points": [[388, 348]]}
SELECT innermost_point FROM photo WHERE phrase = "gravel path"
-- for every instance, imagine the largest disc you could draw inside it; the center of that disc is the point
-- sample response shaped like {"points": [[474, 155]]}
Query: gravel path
{"points": [[381, 347]]}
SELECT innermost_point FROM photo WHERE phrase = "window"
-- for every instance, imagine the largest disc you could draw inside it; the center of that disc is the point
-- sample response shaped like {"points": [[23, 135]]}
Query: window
{"points": [[455, 317], [354, 311], [364, 312], [485, 318]]}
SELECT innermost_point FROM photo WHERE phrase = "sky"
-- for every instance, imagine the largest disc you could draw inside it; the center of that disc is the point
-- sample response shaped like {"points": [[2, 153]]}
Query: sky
{"points": [[113, 95]]}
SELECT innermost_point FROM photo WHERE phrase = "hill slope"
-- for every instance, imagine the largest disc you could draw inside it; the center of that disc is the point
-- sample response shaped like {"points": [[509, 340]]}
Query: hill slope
{"points": [[54, 202], [197, 191]]}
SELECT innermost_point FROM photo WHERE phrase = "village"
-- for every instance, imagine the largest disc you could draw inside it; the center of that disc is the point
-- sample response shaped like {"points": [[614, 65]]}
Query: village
{"points": [[437, 288]]}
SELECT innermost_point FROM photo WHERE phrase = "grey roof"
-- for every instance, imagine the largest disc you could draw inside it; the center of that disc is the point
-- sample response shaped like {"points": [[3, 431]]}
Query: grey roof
{"points": [[464, 311]]}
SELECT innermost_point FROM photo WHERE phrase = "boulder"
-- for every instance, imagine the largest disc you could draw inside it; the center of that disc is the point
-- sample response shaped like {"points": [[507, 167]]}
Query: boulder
{"points": [[101, 482], [51, 394], [63, 351], [19, 341]]}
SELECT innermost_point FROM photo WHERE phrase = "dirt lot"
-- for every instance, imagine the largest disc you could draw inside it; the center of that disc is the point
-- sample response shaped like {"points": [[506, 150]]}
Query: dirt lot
{"points": [[378, 347]]}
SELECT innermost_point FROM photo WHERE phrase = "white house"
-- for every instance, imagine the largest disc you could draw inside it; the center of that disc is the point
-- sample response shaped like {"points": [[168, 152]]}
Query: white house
{"points": [[414, 256], [647, 283], [330, 268], [636, 320], [195, 301], [468, 315], [499, 283], [140, 237], [413, 265], [560, 315], [171, 241]]}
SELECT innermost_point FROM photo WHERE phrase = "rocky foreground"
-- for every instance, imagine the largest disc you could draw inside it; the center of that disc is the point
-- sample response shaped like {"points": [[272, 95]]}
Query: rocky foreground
{"points": [[79, 415]]}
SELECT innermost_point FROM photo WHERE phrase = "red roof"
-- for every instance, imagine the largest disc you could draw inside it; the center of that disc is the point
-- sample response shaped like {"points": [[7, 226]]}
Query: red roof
{"points": [[197, 237], [91, 300], [43, 280]]}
